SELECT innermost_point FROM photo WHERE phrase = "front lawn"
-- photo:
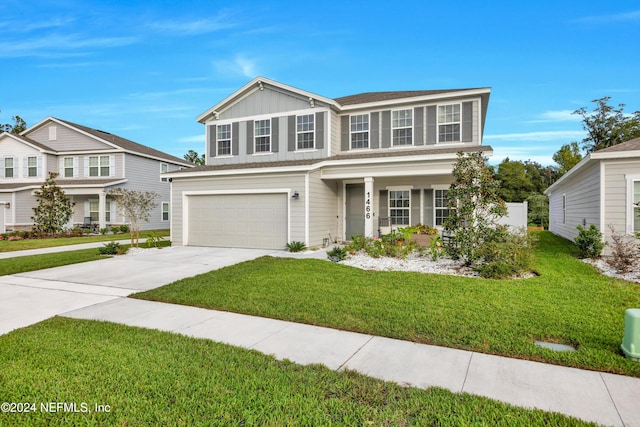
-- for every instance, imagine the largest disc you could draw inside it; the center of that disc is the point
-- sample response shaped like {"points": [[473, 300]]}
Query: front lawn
{"points": [[146, 377], [570, 302], [18, 245]]}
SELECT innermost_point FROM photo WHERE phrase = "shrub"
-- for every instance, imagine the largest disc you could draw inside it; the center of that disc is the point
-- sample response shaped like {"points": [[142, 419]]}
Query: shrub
{"points": [[358, 242], [337, 253], [296, 246], [154, 239], [589, 241], [625, 252], [505, 255], [110, 248], [104, 231], [436, 248], [124, 228]]}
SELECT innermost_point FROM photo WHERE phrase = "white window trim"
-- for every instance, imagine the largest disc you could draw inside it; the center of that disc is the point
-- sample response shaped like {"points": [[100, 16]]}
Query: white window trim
{"points": [[629, 202], [438, 124], [162, 212], [13, 167], [256, 136], [368, 132], [74, 167], [230, 139], [108, 209], [312, 132], [403, 127], [164, 178], [100, 166], [407, 188], [436, 208]]}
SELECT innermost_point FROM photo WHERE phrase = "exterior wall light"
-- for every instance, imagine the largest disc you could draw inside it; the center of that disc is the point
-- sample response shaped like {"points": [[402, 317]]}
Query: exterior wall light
{"points": [[295, 195]]}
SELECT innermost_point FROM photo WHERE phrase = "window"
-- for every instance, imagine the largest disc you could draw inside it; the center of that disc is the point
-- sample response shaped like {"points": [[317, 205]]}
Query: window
{"points": [[68, 167], [399, 207], [401, 125], [32, 165], [8, 167], [449, 123], [223, 139], [305, 131], [99, 166], [564, 208], [359, 131], [164, 168], [94, 210], [441, 200], [262, 135], [165, 211]]}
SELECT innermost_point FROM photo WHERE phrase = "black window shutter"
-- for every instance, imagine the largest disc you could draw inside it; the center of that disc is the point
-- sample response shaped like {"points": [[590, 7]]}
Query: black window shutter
{"points": [[386, 129], [212, 141], [374, 130], [432, 125], [319, 126], [467, 121], [250, 137], [275, 125], [235, 130], [291, 133], [418, 126], [344, 133]]}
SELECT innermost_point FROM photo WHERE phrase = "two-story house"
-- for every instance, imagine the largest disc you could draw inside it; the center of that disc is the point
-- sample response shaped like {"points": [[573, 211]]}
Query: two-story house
{"points": [[89, 163], [284, 164]]}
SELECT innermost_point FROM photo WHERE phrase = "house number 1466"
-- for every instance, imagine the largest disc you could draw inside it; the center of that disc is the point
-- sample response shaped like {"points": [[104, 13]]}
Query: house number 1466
{"points": [[367, 208]]}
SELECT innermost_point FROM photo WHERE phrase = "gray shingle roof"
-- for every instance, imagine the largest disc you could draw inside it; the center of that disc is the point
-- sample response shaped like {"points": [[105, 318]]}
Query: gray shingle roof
{"points": [[631, 145], [364, 98], [127, 144]]}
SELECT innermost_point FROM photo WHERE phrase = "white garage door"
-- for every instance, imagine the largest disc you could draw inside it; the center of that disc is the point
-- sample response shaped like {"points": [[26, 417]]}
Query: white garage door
{"points": [[238, 220]]}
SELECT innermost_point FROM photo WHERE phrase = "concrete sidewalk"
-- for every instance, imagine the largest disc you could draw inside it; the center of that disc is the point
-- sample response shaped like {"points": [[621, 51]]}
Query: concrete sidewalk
{"points": [[592, 396]]}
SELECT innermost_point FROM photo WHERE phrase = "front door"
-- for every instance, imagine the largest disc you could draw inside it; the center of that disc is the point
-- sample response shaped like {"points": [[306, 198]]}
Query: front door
{"points": [[355, 210]]}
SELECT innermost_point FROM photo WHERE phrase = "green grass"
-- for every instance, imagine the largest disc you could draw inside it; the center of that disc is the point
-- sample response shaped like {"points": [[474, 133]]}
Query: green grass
{"points": [[570, 302], [23, 264], [147, 377], [18, 245]]}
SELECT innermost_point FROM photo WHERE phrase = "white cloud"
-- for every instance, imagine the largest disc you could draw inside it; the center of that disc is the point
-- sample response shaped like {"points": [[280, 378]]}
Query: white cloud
{"points": [[537, 136], [238, 65], [185, 27], [192, 139], [556, 116], [58, 45], [632, 16]]}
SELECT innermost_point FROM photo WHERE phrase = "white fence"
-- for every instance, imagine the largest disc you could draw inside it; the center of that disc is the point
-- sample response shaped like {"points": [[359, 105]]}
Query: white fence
{"points": [[516, 215]]}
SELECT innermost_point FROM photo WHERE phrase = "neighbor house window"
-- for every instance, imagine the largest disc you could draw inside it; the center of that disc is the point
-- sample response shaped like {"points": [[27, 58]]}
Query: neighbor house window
{"points": [[304, 131], [564, 208], [32, 165], [262, 135], [8, 167], [68, 167], [94, 210], [441, 202], [223, 139], [165, 211], [164, 168], [401, 125], [636, 206], [99, 166], [359, 131], [449, 123], [399, 207]]}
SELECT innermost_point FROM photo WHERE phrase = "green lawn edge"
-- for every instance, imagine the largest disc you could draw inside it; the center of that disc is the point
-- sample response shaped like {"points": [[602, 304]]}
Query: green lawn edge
{"points": [[569, 302], [147, 377]]}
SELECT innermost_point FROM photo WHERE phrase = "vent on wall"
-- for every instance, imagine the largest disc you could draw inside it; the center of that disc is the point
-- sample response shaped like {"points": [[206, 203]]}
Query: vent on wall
{"points": [[53, 133]]}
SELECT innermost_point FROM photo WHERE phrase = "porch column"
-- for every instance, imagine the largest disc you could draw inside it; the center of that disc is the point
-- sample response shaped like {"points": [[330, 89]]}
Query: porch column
{"points": [[102, 209], [368, 206]]}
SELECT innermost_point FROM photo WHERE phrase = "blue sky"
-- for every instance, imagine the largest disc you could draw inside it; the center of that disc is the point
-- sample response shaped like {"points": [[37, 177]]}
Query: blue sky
{"points": [[145, 70]]}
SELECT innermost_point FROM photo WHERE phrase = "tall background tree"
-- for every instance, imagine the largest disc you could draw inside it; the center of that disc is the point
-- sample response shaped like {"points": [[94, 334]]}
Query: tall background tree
{"points": [[567, 157], [195, 158], [54, 208], [17, 127], [607, 126]]}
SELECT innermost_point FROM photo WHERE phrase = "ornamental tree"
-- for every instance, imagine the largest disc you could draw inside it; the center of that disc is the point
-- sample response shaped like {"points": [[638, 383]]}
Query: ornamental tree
{"points": [[54, 207], [136, 206], [474, 206]]}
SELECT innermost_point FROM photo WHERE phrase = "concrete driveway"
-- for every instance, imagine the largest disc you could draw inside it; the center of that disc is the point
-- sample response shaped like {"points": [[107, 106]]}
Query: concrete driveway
{"points": [[28, 298]]}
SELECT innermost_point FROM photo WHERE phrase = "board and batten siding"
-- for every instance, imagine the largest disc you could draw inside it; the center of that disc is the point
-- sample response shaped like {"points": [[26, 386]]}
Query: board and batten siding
{"points": [[323, 208], [582, 192], [615, 193], [239, 184], [67, 139]]}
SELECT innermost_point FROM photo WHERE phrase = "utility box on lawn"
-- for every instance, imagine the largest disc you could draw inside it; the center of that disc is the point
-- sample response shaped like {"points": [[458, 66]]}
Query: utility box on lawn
{"points": [[631, 340]]}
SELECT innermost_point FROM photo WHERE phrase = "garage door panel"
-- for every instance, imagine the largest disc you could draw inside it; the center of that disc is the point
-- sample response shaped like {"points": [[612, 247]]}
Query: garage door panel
{"points": [[238, 220]]}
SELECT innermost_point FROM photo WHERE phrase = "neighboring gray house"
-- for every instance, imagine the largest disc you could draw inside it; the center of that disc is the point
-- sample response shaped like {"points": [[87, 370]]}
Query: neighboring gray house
{"points": [[603, 189], [89, 162], [284, 164]]}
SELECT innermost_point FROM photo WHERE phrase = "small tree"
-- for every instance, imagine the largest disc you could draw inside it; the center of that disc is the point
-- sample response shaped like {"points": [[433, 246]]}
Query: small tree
{"points": [[538, 210], [195, 158], [54, 207], [136, 206], [474, 206]]}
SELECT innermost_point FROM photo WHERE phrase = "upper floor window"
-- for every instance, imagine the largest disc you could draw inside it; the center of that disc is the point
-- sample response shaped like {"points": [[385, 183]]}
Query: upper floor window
{"points": [[32, 166], [99, 166], [441, 200], [262, 133], [402, 127], [399, 207], [223, 139], [8, 167], [305, 127], [449, 123], [164, 168], [359, 131], [67, 164]]}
